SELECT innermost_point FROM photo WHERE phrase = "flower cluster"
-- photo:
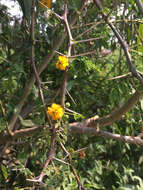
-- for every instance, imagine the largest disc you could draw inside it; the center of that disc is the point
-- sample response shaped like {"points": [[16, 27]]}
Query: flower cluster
{"points": [[47, 3], [55, 111], [62, 63]]}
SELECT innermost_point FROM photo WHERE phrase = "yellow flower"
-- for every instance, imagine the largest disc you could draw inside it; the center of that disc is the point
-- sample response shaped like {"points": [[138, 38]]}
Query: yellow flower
{"points": [[62, 63], [55, 111], [47, 3]]}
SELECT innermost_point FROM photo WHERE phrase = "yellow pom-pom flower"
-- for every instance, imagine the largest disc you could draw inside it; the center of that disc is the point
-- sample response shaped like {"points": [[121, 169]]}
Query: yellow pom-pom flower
{"points": [[62, 63], [55, 111], [47, 3]]}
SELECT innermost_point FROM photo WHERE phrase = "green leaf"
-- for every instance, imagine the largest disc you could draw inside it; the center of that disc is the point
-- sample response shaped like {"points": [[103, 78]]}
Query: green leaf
{"points": [[26, 122], [141, 102], [127, 187], [4, 171], [139, 43]]}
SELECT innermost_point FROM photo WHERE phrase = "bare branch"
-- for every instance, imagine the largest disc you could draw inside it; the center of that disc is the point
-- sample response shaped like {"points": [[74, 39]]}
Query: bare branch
{"points": [[95, 122], [87, 40], [127, 139], [82, 54], [121, 76]]}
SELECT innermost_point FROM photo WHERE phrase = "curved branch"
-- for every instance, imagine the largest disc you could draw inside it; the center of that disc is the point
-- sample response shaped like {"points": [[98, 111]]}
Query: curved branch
{"points": [[128, 139], [95, 122]]}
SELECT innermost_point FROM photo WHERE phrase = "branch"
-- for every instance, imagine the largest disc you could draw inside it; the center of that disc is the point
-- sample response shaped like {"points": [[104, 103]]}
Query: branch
{"points": [[124, 45], [95, 122], [89, 29], [72, 168], [82, 54], [121, 76], [87, 40], [4, 138], [39, 180], [128, 139]]}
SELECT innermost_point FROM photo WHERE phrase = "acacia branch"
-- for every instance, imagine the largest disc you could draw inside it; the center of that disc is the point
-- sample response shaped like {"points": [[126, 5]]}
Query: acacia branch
{"points": [[39, 180], [127, 139], [81, 187], [88, 40], [123, 43], [95, 122], [82, 54], [50, 155], [22, 133]]}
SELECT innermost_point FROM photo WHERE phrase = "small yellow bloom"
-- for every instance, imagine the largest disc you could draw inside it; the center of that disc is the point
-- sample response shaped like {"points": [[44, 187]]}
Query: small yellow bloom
{"points": [[62, 63], [55, 111], [47, 3]]}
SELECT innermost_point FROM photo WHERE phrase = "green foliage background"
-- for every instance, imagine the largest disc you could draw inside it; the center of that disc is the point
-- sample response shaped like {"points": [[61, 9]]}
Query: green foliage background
{"points": [[108, 164]]}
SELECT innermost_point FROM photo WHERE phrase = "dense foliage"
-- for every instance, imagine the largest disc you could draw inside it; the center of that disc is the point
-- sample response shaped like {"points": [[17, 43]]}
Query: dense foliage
{"points": [[99, 82]]}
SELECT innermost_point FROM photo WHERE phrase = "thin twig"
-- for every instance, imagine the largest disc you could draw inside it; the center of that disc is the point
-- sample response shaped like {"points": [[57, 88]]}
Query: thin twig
{"points": [[82, 54], [88, 30], [60, 53], [59, 160], [39, 180], [112, 20], [87, 40], [72, 168], [121, 76]]}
